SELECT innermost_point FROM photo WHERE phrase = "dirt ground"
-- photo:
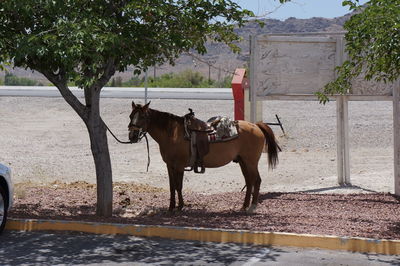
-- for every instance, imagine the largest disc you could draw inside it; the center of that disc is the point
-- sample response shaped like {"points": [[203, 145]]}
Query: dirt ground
{"points": [[47, 146], [43, 141], [372, 215]]}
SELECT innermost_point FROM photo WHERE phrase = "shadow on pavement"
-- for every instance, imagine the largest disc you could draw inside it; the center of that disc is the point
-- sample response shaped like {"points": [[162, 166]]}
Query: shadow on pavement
{"points": [[44, 248]]}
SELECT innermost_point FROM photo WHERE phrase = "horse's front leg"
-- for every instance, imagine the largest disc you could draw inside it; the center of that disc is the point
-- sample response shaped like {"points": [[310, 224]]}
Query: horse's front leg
{"points": [[179, 185], [172, 187]]}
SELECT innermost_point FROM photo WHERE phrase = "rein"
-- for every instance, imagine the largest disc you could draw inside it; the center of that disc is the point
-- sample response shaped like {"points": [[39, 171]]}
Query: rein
{"points": [[142, 135]]}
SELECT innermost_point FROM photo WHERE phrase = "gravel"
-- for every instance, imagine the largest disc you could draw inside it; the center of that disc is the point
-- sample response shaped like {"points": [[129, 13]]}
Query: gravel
{"points": [[374, 215]]}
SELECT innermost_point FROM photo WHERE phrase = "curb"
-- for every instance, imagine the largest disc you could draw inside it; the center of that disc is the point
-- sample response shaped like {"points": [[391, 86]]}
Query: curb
{"points": [[352, 244]]}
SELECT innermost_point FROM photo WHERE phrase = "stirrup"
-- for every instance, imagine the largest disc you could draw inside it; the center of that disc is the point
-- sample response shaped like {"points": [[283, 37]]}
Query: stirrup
{"points": [[196, 169]]}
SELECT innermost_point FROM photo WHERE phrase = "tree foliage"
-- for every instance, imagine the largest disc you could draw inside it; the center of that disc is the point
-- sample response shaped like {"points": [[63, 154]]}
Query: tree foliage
{"points": [[80, 39], [372, 44]]}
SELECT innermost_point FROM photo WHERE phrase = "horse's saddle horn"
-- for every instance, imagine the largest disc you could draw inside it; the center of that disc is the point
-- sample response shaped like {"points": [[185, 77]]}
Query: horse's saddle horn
{"points": [[194, 124]]}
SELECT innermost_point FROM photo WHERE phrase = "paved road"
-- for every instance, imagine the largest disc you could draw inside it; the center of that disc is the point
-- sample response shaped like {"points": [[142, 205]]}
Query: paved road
{"points": [[45, 248], [116, 92]]}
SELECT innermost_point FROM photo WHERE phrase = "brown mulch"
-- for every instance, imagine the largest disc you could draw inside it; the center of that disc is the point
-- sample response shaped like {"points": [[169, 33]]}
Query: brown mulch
{"points": [[374, 215]]}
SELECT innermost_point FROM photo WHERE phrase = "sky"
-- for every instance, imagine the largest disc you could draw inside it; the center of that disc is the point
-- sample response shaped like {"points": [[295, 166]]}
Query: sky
{"points": [[296, 8]]}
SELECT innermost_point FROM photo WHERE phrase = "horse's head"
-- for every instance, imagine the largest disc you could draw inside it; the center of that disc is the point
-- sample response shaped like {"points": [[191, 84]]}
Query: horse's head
{"points": [[139, 119]]}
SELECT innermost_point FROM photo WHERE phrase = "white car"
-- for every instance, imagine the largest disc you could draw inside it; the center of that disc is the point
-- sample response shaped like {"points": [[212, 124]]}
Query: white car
{"points": [[6, 194]]}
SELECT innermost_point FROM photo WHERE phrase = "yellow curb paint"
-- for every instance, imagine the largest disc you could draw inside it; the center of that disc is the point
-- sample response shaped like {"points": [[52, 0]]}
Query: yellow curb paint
{"points": [[389, 247]]}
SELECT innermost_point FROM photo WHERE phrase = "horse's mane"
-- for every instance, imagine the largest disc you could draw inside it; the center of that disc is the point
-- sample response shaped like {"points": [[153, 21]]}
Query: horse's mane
{"points": [[164, 119]]}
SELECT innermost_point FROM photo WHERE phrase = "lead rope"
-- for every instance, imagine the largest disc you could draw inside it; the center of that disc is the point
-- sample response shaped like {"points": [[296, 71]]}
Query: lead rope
{"points": [[112, 134], [129, 142], [148, 153]]}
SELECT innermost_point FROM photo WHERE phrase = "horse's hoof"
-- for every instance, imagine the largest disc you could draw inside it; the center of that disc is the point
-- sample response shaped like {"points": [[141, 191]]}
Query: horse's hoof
{"points": [[180, 207], [251, 209]]}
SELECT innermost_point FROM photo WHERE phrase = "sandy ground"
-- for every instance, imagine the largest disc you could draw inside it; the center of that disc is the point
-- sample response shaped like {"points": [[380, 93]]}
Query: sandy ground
{"points": [[43, 140]]}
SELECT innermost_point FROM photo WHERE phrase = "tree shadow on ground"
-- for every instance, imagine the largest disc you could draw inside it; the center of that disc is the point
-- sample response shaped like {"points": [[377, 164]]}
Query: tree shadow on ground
{"points": [[298, 212], [44, 248], [68, 248], [194, 216]]}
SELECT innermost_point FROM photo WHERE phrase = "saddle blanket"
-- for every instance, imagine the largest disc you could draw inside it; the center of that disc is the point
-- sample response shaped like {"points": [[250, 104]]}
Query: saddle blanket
{"points": [[224, 129]]}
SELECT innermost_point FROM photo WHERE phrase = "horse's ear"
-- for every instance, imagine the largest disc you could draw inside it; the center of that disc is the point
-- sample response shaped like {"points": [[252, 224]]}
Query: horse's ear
{"points": [[146, 106], [133, 105]]}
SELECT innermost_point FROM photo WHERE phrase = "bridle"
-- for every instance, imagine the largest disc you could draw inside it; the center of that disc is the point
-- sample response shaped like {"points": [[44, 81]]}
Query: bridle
{"points": [[142, 134]]}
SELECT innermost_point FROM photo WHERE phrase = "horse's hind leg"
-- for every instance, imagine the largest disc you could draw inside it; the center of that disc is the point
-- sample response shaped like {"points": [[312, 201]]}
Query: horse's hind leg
{"points": [[249, 184], [253, 182], [256, 192]]}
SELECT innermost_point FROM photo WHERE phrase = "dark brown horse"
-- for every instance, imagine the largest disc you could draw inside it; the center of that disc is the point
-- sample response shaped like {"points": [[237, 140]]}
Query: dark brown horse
{"points": [[168, 131]]}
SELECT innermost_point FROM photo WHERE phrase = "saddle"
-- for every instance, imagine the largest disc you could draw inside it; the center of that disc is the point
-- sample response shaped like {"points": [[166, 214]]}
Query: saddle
{"points": [[196, 131], [201, 134]]}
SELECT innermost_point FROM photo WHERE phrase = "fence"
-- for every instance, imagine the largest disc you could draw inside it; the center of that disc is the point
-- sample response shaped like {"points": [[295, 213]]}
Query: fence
{"points": [[296, 66]]}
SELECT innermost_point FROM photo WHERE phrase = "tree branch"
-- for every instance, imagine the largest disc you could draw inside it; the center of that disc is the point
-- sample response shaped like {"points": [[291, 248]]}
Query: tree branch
{"points": [[60, 82], [109, 71], [198, 58]]}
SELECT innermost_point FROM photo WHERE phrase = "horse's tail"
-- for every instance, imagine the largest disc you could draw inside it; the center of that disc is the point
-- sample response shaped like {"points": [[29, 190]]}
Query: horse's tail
{"points": [[272, 145]]}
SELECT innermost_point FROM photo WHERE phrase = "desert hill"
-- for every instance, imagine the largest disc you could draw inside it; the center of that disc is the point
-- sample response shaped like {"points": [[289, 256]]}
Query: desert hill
{"points": [[221, 61]]}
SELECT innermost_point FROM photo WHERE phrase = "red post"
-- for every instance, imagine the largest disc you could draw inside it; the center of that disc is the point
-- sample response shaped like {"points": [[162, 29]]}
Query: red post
{"points": [[239, 84]]}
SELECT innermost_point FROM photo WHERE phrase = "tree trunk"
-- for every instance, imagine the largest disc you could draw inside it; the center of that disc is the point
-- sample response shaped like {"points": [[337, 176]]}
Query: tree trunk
{"points": [[101, 155], [99, 146], [90, 114]]}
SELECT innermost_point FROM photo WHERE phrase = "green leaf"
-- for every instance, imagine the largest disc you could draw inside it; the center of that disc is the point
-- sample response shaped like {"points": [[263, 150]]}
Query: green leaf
{"points": [[372, 43]]}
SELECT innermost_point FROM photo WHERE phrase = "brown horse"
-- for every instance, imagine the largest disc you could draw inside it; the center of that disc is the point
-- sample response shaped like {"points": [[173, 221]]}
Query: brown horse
{"points": [[168, 131]]}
